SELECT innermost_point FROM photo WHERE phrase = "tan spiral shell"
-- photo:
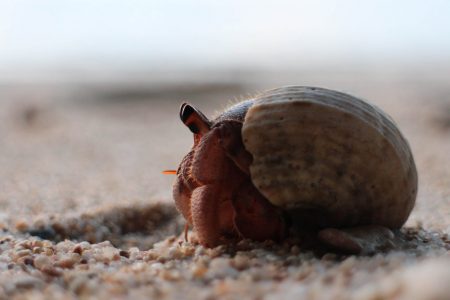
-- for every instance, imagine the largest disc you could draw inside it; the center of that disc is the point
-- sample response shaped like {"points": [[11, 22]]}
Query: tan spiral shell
{"points": [[323, 151]]}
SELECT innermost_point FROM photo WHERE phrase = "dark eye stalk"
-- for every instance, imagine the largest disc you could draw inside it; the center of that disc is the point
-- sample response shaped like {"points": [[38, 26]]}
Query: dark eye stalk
{"points": [[194, 119]]}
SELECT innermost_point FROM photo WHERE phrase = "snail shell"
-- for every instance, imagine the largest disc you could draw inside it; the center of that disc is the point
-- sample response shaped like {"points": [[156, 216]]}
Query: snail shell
{"points": [[331, 156]]}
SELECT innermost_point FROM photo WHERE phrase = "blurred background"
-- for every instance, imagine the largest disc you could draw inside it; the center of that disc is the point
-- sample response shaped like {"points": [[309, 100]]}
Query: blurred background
{"points": [[79, 38], [90, 89]]}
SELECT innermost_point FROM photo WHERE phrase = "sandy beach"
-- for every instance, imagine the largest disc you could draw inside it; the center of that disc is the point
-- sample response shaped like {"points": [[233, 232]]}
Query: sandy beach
{"points": [[86, 213]]}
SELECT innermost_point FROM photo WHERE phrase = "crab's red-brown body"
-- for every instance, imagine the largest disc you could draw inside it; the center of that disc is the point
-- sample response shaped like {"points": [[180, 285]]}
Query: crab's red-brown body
{"points": [[213, 189]]}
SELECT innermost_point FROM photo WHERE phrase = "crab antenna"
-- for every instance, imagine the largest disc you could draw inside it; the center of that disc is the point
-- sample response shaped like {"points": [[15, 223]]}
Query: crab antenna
{"points": [[170, 172]]}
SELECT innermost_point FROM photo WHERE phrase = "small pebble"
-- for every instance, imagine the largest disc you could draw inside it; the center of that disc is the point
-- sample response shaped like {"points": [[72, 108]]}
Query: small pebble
{"points": [[52, 271], [221, 268], [124, 253], [27, 281], [23, 253], [42, 261], [241, 262], [295, 250], [329, 257], [68, 261], [199, 270], [21, 226]]}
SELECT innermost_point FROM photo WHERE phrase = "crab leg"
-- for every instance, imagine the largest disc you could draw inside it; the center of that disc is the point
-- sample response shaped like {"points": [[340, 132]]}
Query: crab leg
{"points": [[204, 215], [358, 240]]}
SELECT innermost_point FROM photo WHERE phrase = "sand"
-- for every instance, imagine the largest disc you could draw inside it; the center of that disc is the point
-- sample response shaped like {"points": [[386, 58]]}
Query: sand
{"points": [[86, 212]]}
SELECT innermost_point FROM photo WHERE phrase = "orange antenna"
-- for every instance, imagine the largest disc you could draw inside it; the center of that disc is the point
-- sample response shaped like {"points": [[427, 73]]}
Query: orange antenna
{"points": [[170, 172]]}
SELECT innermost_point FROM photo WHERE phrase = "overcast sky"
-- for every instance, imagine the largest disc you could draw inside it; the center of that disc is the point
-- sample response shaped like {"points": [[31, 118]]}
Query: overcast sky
{"points": [[216, 33]]}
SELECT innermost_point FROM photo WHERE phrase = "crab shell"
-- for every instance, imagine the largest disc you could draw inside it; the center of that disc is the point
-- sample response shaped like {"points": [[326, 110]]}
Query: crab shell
{"points": [[329, 159]]}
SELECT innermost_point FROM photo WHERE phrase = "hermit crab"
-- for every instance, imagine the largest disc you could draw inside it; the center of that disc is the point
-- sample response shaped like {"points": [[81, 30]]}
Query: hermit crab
{"points": [[296, 157]]}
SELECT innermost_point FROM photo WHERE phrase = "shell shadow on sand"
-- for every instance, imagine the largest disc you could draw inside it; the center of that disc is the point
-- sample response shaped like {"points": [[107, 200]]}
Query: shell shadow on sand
{"points": [[143, 226]]}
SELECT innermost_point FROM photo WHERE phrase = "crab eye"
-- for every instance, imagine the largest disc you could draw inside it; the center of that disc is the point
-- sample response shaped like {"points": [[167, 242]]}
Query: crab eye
{"points": [[185, 111], [194, 119]]}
